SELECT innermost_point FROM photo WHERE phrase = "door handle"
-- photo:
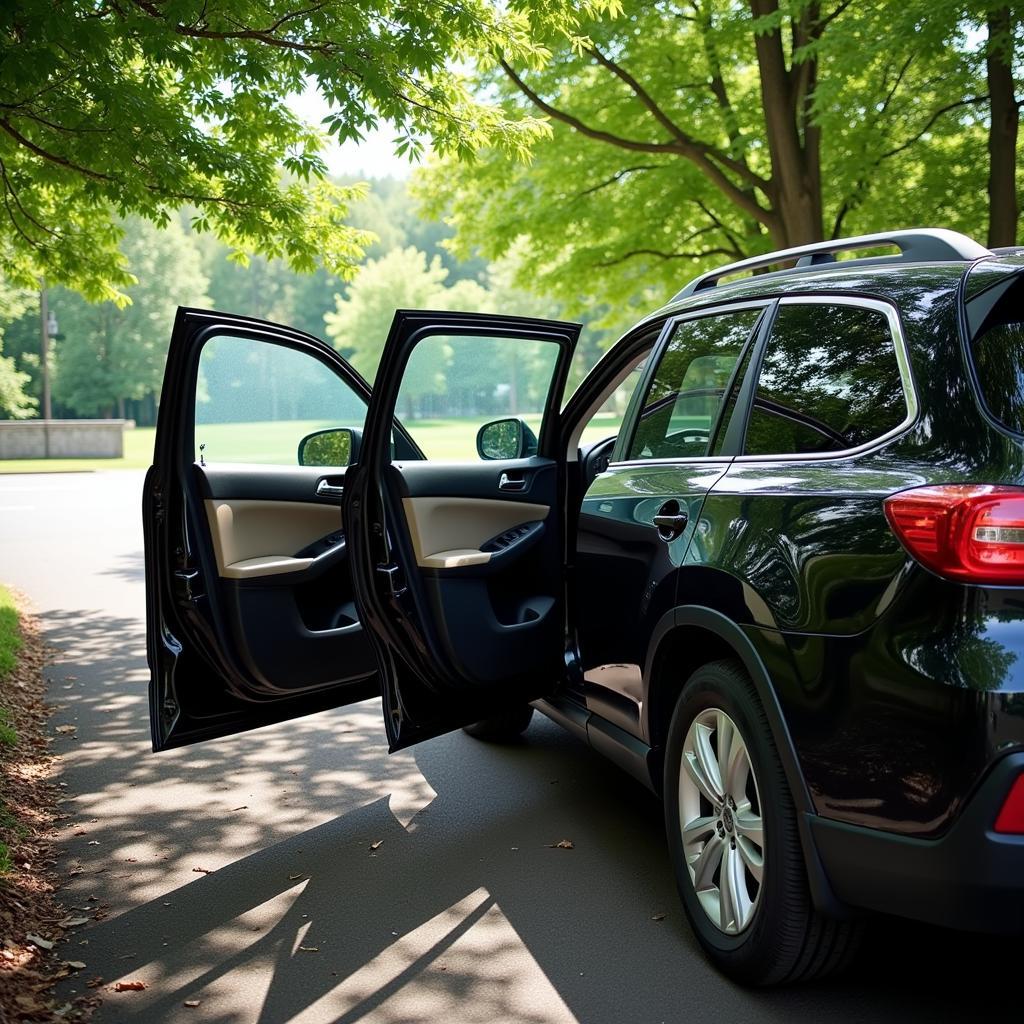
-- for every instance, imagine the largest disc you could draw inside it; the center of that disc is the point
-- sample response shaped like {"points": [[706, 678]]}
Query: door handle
{"points": [[326, 490], [670, 521], [509, 483]]}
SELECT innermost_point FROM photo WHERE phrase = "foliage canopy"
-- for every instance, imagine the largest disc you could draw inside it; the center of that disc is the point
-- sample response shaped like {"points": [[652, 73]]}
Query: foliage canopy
{"points": [[692, 133], [117, 107]]}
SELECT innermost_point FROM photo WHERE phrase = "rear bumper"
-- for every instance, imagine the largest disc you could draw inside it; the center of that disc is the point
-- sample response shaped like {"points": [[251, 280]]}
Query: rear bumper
{"points": [[970, 878]]}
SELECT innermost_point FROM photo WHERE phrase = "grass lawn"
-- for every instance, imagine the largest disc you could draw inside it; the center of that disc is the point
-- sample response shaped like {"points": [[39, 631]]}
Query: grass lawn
{"points": [[10, 632], [10, 644], [276, 443]]}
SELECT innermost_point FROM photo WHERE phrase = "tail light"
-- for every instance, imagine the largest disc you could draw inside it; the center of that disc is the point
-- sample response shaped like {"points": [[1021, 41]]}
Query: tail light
{"points": [[1011, 815], [968, 532]]}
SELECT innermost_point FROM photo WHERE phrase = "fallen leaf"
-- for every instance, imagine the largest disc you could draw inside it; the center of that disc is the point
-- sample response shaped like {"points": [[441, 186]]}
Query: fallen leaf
{"points": [[658, 917], [310, 949], [67, 728], [377, 845], [73, 922], [80, 832], [562, 844], [38, 940], [94, 982], [129, 986], [202, 871], [76, 964], [192, 1003]]}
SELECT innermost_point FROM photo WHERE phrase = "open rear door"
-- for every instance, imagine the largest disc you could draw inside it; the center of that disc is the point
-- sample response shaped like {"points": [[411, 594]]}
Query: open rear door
{"points": [[457, 559]]}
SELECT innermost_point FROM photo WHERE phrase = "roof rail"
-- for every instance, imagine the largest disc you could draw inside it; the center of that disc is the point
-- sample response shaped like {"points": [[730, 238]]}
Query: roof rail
{"points": [[920, 245]]}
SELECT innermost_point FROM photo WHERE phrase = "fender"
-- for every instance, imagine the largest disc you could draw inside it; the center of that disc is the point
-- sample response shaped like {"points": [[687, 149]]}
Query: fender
{"points": [[731, 635]]}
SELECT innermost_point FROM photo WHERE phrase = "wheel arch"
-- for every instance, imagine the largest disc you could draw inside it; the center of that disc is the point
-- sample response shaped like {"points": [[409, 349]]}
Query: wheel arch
{"points": [[687, 637]]}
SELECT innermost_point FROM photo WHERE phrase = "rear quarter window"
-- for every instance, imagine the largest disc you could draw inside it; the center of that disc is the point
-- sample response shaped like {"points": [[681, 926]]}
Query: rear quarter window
{"points": [[830, 381], [997, 351]]}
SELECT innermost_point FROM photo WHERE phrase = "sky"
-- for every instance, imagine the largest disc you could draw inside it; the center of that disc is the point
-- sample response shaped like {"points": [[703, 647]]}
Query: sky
{"points": [[373, 157]]}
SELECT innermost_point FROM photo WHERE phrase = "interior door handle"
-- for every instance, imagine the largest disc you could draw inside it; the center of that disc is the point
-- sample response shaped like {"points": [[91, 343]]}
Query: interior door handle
{"points": [[670, 520], [326, 490], [509, 483]]}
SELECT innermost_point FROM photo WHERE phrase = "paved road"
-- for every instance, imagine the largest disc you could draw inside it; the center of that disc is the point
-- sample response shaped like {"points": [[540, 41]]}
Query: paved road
{"points": [[240, 873]]}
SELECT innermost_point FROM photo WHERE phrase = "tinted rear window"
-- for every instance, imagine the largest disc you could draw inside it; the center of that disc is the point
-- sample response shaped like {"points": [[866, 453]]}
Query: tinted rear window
{"points": [[829, 381], [998, 351]]}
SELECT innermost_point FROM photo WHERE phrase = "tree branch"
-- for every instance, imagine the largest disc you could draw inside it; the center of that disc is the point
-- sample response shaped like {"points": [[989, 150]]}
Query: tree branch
{"points": [[860, 188], [598, 134], [685, 140], [52, 157], [618, 175], [969, 102], [717, 251], [255, 34], [696, 156]]}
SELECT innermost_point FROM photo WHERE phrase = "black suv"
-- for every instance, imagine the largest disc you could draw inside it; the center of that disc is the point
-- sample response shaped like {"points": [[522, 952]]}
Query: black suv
{"points": [[768, 557]]}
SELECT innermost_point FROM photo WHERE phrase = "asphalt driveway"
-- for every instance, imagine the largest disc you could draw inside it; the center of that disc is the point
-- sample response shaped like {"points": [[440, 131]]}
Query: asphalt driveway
{"points": [[300, 873]]}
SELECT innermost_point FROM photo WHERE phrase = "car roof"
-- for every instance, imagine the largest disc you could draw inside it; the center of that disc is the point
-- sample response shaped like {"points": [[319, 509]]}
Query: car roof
{"points": [[895, 282]]}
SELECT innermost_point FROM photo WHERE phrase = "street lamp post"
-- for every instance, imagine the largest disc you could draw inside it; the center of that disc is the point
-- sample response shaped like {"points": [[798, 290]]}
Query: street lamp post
{"points": [[47, 331]]}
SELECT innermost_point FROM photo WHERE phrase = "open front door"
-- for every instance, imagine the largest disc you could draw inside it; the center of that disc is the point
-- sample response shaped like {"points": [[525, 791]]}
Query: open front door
{"points": [[457, 559], [250, 610]]}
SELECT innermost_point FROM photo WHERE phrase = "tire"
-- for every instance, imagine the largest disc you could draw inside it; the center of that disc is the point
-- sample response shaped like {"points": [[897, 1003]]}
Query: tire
{"points": [[758, 931], [501, 728]]}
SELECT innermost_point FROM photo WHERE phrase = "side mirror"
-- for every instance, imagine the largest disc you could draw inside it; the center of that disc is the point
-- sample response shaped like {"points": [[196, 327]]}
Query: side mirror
{"points": [[336, 446], [510, 438]]}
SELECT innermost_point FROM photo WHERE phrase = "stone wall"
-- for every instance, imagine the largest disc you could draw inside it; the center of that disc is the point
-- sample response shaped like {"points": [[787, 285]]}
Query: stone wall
{"points": [[69, 439]]}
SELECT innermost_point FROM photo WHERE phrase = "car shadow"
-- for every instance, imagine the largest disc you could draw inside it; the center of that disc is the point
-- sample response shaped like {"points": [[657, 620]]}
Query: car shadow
{"points": [[299, 873]]}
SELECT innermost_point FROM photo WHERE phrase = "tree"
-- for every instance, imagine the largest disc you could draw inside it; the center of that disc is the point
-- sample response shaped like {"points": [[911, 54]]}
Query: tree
{"points": [[117, 107], [401, 279], [1004, 122], [15, 402], [691, 133], [108, 355]]}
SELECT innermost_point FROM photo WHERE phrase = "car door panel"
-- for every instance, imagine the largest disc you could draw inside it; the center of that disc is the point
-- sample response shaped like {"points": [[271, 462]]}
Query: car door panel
{"points": [[486, 564], [458, 566], [639, 518], [251, 617], [617, 539]]}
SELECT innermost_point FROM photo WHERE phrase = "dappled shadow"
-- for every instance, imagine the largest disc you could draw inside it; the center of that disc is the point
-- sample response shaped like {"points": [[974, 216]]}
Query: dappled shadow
{"points": [[463, 911], [129, 567]]}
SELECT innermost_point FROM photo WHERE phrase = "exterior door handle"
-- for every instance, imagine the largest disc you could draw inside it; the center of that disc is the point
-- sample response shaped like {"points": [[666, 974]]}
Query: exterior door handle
{"points": [[670, 521]]}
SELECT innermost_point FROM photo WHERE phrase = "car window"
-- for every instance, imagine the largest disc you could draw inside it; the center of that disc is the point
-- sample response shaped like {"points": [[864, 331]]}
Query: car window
{"points": [[256, 401], [829, 381], [686, 393], [998, 353], [454, 385]]}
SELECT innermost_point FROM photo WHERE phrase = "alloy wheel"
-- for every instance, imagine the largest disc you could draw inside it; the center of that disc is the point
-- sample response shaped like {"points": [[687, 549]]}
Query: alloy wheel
{"points": [[720, 819]]}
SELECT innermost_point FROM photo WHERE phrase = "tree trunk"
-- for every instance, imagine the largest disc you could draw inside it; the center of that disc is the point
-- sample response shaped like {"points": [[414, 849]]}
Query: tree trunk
{"points": [[795, 175], [1003, 210]]}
